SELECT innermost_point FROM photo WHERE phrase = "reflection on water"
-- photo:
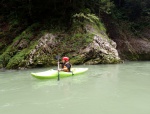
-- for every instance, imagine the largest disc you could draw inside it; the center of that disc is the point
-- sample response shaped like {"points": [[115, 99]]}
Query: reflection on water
{"points": [[103, 89]]}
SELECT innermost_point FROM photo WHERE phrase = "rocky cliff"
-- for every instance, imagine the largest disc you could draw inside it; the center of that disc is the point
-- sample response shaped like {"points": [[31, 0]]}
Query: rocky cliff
{"points": [[89, 46], [130, 46]]}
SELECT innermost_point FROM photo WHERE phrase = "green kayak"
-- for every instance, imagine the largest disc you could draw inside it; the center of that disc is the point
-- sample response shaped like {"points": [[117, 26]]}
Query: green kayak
{"points": [[50, 74]]}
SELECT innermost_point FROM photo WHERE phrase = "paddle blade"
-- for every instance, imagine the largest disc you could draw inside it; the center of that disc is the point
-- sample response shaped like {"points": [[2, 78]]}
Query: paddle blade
{"points": [[57, 57]]}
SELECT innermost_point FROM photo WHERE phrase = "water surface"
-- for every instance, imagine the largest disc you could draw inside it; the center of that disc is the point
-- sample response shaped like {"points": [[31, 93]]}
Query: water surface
{"points": [[103, 89]]}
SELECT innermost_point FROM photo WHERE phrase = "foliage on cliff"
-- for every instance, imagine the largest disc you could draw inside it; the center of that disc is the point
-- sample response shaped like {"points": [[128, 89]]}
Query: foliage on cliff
{"points": [[23, 22], [85, 42]]}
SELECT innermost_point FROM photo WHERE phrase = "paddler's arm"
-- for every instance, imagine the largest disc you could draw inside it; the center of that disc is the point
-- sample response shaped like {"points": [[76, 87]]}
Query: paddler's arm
{"points": [[65, 69]]}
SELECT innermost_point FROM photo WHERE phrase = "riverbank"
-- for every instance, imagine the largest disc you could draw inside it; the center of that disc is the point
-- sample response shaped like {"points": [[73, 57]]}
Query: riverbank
{"points": [[84, 42], [88, 44], [88, 39]]}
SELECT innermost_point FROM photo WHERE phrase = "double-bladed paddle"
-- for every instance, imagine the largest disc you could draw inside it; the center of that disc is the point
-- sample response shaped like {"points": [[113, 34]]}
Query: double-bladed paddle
{"points": [[58, 58]]}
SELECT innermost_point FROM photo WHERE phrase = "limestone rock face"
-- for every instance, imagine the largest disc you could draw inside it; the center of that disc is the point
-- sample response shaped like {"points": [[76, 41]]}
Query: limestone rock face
{"points": [[101, 50], [42, 51], [89, 47], [134, 49]]}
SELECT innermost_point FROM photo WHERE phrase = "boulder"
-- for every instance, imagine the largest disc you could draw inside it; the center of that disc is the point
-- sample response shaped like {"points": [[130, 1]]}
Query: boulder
{"points": [[101, 50], [42, 51]]}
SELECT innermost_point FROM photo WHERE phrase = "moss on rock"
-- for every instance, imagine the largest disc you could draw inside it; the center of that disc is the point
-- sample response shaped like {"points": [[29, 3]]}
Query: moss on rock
{"points": [[83, 43]]}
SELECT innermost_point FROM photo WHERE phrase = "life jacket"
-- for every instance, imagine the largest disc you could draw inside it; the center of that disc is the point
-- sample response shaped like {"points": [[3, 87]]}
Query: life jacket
{"points": [[67, 64]]}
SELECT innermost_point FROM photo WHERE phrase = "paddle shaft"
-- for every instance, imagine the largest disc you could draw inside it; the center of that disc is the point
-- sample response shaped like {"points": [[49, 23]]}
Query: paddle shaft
{"points": [[58, 71]]}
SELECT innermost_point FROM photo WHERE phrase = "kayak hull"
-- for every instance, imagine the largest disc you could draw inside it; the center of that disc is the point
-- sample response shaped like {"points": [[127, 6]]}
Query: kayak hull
{"points": [[51, 74]]}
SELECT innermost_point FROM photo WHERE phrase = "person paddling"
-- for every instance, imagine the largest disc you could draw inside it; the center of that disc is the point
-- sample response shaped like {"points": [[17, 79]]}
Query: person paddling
{"points": [[65, 64]]}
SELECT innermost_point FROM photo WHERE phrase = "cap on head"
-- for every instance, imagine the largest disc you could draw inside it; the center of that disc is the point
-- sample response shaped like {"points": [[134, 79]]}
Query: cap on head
{"points": [[65, 59]]}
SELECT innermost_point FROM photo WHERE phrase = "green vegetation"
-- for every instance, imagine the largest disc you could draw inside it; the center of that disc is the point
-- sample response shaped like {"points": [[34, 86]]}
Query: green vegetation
{"points": [[135, 13], [22, 22], [17, 60], [61, 12], [15, 53]]}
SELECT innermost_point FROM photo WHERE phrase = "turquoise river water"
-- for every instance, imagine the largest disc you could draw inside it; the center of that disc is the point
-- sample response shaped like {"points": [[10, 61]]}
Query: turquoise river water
{"points": [[103, 89]]}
